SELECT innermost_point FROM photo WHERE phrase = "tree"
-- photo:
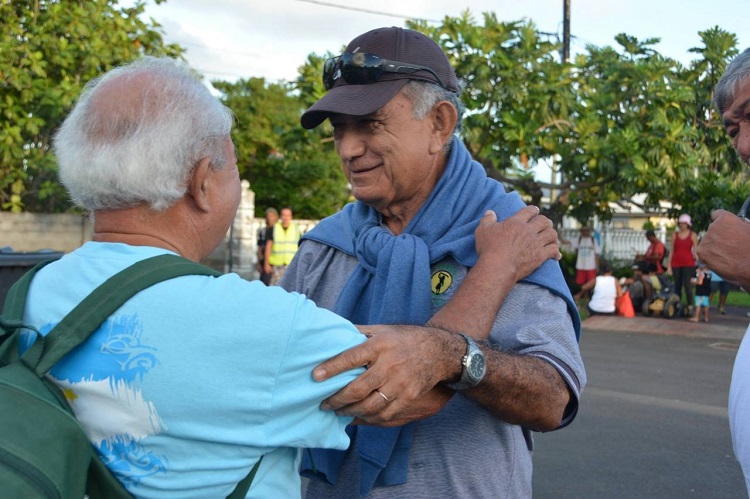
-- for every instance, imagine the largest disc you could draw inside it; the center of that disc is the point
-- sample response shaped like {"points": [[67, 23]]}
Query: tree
{"points": [[724, 181], [614, 123], [286, 165], [48, 50]]}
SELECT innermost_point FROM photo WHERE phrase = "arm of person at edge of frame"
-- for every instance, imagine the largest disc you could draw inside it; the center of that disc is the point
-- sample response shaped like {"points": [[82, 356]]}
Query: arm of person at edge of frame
{"points": [[407, 363], [723, 246]]}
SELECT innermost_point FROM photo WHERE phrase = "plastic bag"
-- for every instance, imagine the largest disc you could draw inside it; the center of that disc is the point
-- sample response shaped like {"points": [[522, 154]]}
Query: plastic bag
{"points": [[624, 305]]}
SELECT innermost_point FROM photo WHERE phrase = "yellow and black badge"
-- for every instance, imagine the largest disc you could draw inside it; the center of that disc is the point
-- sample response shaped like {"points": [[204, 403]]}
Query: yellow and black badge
{"points": [[441, 281]]}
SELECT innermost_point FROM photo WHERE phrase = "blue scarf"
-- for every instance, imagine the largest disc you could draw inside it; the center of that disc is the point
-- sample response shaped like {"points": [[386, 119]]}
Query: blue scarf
{"points": [[391, 285]]}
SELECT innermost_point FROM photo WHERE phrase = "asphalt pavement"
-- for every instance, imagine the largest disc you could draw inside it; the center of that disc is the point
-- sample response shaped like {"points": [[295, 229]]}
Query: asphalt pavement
{"points": [[653, 420]]}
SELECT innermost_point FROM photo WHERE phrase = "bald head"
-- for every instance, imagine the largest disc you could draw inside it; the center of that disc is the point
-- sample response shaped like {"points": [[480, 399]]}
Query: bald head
{"points": [[137, 132], [122, 104]]}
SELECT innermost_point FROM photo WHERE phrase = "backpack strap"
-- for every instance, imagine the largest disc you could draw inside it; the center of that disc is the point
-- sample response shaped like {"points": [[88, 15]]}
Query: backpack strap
{"points": [[15, 300], [12, 316], [88, 315], [240, 491]]}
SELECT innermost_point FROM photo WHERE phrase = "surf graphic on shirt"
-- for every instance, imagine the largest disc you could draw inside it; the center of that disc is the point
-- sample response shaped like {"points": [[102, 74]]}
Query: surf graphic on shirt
{"points": [[101, 380]]}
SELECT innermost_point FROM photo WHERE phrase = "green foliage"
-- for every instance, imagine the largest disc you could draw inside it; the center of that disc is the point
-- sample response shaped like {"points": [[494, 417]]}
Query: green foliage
{"points": [[737, 298], [615, 123], [48, 50], [285, 164], [568, 267]]}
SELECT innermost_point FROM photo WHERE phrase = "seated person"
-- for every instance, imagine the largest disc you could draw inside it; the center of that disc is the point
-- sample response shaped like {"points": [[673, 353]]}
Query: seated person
{"points": [[606, 290], [655, 279], [640, 285]]}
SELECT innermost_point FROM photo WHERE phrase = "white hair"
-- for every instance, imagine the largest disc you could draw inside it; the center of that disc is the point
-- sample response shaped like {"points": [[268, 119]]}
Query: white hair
{"points": [[140, 146], [425, 95], [737, 72]]}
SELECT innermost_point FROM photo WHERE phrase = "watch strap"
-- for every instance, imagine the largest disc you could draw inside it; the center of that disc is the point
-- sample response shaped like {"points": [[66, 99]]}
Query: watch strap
{"points": [[466, 381]]}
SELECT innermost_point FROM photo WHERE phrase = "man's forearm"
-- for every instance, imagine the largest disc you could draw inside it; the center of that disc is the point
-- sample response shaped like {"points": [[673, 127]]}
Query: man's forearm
{"points": [[522, 390]]}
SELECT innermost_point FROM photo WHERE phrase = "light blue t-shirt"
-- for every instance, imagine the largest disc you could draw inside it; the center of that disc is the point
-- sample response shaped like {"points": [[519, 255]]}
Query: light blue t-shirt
{"points": [[192, 380]]}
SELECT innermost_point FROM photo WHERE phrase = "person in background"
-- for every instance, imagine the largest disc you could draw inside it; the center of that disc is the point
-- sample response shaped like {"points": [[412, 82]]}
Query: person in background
{"points": [[726, 240], [453, 427], [702, 282], [587, 257], [656, 251], [681, 263], [272, 216], [655, 279], [606, 289], [640, 285], [722, 286], [281, 245]]}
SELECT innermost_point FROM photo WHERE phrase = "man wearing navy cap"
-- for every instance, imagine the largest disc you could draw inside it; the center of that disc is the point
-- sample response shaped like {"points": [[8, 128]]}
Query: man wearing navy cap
{"points": [[439, 416]]}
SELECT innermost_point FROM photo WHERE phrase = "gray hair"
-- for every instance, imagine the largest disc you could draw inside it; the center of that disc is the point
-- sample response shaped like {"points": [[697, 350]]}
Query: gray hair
{"points": [[737, 71], [141, 145], [424, 95]]}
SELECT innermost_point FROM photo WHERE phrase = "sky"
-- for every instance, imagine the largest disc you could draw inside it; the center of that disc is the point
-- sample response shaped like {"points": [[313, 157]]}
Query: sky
{"points": [[232, 39]]}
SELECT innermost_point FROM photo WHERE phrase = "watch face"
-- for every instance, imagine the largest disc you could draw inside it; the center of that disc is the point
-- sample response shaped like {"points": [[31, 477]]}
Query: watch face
{"points": [[476, 366]]}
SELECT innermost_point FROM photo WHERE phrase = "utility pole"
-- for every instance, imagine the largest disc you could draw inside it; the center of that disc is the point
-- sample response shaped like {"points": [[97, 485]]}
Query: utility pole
{"points": [[566, 32], [564, 59]]}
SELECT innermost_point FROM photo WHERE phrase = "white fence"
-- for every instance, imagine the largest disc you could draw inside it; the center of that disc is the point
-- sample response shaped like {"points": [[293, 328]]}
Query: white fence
{"points": [[616, 244]]}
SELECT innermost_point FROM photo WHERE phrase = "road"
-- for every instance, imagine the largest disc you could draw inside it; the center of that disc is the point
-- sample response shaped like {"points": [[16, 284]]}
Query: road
{"points": [[652, 422]]}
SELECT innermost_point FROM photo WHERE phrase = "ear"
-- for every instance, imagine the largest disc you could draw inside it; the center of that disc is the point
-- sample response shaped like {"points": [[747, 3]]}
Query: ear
{"points": [[444, 119], [200, 184]]}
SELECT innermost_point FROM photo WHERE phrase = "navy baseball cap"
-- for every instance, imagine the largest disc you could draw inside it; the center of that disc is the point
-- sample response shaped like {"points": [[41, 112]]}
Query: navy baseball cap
{"points": [[369, 93]]}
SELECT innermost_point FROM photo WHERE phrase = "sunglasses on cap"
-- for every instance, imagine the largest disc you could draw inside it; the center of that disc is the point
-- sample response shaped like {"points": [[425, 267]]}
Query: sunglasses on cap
{"points": [[361, 68]]}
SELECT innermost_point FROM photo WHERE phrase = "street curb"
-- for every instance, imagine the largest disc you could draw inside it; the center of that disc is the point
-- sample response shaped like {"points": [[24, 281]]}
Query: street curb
{"points": [[723, 329]]}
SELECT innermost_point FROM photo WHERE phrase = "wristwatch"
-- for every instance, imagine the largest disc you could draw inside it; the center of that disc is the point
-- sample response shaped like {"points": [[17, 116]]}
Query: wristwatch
{"points": [[474, 366]]}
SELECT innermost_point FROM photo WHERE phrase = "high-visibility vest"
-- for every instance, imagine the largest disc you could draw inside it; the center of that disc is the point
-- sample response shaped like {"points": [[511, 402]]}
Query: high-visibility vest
{"points": [[284, 244]]}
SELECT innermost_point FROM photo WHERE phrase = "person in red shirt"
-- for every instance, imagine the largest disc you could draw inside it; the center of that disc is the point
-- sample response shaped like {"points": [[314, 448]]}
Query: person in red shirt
{"points": [[681, 263], [656, 251]]}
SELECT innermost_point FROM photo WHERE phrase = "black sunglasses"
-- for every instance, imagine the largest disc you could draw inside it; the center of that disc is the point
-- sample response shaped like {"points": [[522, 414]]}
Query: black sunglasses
{"points": [[361, 68]]}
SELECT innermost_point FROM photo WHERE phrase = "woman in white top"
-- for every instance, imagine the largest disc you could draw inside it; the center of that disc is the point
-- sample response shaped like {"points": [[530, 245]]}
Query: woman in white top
{"points": [[606, 290]]}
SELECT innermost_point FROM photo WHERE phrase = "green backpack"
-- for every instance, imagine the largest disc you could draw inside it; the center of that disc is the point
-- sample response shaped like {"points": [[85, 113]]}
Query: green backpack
{"points": [[44, 452]]}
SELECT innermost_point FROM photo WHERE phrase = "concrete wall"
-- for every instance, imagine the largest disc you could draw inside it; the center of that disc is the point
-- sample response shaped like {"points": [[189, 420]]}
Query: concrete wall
{"points": [[33, 231], [62, 232]]}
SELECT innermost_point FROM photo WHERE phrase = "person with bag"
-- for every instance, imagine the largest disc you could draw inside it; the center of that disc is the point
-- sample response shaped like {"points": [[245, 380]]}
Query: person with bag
{"points": [[587, 256], [185, 383]]}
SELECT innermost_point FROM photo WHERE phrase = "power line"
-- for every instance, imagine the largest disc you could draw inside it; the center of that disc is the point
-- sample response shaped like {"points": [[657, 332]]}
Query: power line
{"points": [[214, 49], [368, 11]]}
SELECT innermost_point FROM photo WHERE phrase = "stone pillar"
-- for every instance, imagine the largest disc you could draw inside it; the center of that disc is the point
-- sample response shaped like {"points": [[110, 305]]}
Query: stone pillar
{"points": [[241, 241]]}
